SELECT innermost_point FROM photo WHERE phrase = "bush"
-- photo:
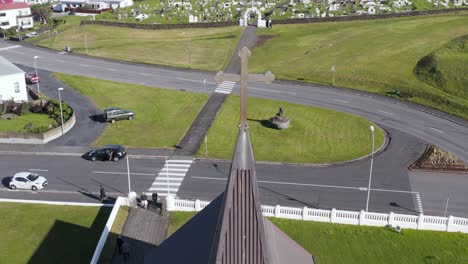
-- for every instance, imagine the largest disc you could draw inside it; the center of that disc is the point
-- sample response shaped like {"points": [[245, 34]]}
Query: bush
{"points": [[25, 108], [53, 110], [40, 129]]}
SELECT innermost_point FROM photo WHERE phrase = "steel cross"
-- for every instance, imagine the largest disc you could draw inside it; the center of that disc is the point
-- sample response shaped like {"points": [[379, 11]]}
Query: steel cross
{"points": [[244, 76]]}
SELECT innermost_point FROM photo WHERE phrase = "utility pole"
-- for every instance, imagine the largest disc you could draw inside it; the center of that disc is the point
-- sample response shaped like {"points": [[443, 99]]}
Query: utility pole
{"points": [[86, 41], [206, 146], [128, 176]]}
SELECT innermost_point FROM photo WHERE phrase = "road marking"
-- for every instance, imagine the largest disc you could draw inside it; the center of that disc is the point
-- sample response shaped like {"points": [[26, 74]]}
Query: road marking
{"points": [[10, 47], [419, 204], [170, 177], [38, 170], [60, 60], [17, 52], [196, 81], [84, 65], [146, 74], [110, 69], [271, 91], [55, 191], [124, 173], [312, 185], [225, 87], [437, 130], [388, 113], [341, 101]]}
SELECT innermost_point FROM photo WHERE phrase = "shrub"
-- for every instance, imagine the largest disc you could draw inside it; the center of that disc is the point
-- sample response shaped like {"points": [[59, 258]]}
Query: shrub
{"points": [[25, 108]]}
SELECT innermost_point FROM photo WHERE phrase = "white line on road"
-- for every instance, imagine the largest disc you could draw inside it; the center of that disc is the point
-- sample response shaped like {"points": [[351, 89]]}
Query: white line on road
{"points": [[191, 80], [419, 204], [437, 130], [110, 69], [84, 65], [271, 91], [388, 113], [131, 173], [10, 47], [59, 60], [17, 52], [38, 170], [143, 73], [341, 101], [53, 191]]}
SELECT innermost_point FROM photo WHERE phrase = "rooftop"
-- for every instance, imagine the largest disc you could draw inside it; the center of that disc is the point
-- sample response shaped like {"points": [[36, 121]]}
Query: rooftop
{"points": [[7, 68], [12, 6]]}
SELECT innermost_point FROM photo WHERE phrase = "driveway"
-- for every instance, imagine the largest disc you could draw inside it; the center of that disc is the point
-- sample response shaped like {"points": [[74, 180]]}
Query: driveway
{"points": [[85, 130]]}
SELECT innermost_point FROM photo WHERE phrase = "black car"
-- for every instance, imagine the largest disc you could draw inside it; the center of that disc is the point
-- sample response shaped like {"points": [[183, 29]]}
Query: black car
{"points": [[110, 152]]}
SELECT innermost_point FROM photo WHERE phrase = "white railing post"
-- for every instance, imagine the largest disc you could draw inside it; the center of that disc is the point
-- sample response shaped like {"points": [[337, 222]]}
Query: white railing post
{"points": [[333, 216], [170, 203], [304, 213], [197, 205], [277, 211], [420, 221], [391, 218], [362, 217], [449, 223]]}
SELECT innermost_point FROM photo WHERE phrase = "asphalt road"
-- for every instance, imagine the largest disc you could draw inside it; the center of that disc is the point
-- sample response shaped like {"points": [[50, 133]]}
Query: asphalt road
{"points": [[411, 125]]}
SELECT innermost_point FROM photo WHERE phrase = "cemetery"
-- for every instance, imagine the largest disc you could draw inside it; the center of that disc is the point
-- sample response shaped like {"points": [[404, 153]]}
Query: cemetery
{"points": [[196, 11]]}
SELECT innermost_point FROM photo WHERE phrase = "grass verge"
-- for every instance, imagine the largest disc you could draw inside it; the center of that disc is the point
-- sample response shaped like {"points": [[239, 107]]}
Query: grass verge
{"points": [[205, 49], [18, 124], [315, 135], [335, 243], [376, 55], [116, 230], [162, 116], [33, 233]]}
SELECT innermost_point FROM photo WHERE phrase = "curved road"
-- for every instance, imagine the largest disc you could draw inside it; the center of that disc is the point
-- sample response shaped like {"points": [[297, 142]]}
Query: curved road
{"points": [[404, 119]]}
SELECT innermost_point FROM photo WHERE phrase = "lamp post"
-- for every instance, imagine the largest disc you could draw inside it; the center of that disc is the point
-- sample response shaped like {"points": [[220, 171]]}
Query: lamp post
{"points": [[128, 176], [61, 111], [446, 206], [35, 67], [370, 173]]}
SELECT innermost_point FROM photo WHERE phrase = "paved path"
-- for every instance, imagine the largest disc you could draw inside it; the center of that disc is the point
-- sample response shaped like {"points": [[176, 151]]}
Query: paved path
{"points": [[191, 141], [143, 230]]}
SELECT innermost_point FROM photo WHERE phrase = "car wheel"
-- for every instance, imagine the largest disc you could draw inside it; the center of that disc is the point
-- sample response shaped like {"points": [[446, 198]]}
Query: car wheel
{"points": [[93, 158], [13, 187], [34, 188], [113, 121], [130, 117], [116, 158]]}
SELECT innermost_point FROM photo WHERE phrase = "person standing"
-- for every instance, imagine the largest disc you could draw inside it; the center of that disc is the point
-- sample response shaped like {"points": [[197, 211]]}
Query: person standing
{"points": [[102, 192]]}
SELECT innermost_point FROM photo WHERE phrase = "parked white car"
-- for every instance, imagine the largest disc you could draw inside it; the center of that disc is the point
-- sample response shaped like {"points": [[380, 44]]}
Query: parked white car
{"points": [[27, 180], [32, 34]]}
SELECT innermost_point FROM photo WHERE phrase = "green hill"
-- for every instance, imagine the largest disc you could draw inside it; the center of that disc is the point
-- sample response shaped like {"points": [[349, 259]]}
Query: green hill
{"points": [[447, 68]]}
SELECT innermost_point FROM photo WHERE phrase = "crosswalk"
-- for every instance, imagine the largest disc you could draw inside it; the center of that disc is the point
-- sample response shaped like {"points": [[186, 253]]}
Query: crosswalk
{"points": [[225, 87], [170, 177], [419, 204]]}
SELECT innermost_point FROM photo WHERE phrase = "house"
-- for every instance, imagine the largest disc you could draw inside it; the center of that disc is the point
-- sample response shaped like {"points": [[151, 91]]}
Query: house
{"points": [[12, 82], [13, 14], [90, 6]]}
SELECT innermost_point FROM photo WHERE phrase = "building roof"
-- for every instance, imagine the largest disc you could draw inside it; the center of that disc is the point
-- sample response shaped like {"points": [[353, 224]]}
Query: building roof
{"points": [[12, 6], [6, 1], [7, 68]]}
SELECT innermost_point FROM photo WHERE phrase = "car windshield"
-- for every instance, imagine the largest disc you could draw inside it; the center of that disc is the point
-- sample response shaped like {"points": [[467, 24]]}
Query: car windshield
{"points": [[32, 177]]}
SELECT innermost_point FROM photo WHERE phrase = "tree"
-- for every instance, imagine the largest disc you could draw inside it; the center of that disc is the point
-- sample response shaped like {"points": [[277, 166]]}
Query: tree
{"points": [[41, 12]]}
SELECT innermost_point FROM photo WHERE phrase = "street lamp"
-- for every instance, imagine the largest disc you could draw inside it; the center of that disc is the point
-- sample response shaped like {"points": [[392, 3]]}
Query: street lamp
{"points": [[371, 164], [61, 111], [37, 76]]}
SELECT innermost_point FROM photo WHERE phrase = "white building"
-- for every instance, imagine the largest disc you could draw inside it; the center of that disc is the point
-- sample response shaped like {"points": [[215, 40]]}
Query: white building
{"points": [[97, 5], [12, 82], [15, 14]]}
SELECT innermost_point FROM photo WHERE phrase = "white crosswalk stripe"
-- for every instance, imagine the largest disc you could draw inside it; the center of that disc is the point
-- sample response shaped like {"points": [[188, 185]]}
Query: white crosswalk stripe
{"points": [[419, 204], [10, 47], [225, 87], [170, 177]]}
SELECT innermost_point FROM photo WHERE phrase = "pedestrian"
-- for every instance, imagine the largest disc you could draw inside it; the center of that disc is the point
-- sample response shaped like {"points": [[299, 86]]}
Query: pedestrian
{"points": [[144, 201], [120, 243], [155, 199], [102, 192]]}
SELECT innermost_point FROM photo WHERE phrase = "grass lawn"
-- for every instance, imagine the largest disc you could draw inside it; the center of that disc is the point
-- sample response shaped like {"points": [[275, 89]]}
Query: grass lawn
{"points": [[335, 243], [162, 116], [111, 242], [376, 55], [18, 124], [315, 135], [204, 49], [33, 233]]}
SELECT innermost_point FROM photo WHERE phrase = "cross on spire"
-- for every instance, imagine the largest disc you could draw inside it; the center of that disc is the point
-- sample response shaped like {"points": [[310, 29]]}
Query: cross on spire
{"points": [[244, 77]]}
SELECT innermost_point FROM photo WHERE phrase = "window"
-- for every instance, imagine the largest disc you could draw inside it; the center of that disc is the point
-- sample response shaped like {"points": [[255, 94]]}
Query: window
{"points": [[5, 23], [17, 90], [2, 14]]}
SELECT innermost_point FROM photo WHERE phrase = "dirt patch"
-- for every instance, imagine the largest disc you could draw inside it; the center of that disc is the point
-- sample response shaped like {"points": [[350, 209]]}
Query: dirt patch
{"points": [[436, 159], [262, 39]]}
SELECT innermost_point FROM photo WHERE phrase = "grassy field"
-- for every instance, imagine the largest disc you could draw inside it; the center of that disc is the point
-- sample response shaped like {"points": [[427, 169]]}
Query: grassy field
{"points": [[334, 243], [32, 233], [375, 55], [315, 135], [204, 49], [161, 116], [18, 124]]}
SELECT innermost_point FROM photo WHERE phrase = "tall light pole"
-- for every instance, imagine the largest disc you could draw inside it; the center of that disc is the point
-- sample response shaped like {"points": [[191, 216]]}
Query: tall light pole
{"points": [[35, 67], [61, 111], [167, 176], [446, 206], [371, 164], [128, 174]]}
